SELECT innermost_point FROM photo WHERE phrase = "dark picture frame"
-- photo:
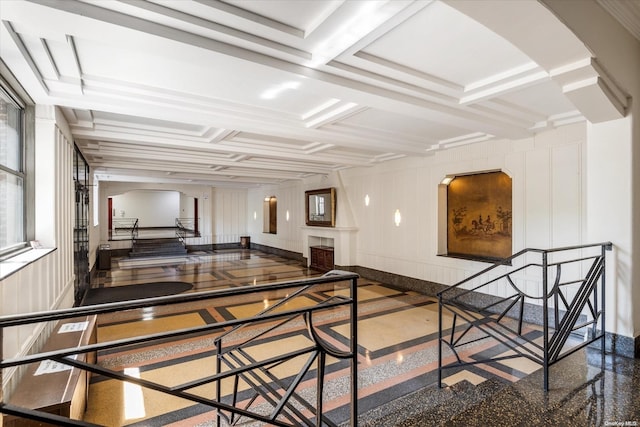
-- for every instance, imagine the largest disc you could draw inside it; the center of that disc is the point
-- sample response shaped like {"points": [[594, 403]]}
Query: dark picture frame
{"points": [[320, 207]]}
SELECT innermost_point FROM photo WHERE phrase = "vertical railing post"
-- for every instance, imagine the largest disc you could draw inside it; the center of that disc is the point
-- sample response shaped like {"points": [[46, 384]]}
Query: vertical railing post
{"points": [[218, 385], [354, 352], [439, 341], [545, 321], [556, 302], [320, 388], [604, 248], [1, 370]]}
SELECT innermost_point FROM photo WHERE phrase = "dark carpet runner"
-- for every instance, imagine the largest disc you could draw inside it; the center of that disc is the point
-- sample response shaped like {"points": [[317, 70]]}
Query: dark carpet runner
{"points": [[131, 292]]}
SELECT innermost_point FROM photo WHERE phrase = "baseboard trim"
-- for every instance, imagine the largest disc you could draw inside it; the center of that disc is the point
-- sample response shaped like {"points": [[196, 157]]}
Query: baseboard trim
{"points": [[296, 256]]}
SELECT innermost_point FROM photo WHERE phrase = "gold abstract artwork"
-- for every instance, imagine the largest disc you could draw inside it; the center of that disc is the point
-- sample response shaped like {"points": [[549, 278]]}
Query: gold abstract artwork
{"points": [[479, 216]]}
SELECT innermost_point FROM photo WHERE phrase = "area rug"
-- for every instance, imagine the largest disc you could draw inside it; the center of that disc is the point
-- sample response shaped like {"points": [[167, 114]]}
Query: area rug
{"points": [[131, 292]]}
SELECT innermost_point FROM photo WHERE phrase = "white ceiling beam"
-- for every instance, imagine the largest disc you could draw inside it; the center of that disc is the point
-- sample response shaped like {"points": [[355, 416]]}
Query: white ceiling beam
{"points": [[358, 91], [201, 159]]}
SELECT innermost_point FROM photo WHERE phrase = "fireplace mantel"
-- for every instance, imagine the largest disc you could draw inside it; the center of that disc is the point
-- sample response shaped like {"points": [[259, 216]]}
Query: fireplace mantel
{"points": [[342, 239]]}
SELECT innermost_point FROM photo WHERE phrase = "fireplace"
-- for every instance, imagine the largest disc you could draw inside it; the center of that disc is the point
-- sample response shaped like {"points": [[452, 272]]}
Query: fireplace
{"points": [[339, 241]]}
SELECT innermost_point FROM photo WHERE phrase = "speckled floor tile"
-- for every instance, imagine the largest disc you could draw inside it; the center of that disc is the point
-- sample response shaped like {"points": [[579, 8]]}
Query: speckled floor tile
{"points": [[397, 373]]}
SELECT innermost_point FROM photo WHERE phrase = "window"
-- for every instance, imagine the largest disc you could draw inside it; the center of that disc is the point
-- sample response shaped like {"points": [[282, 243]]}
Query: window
{"points": [[320, 206], [12, 173], [17, 164]]}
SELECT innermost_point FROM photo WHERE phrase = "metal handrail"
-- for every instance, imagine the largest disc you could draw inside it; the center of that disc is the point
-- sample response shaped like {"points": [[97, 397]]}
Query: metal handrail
{"points": [[509, 261], [186, 227], [126, 225], [586, 307], [317, 351], [134, 232]]}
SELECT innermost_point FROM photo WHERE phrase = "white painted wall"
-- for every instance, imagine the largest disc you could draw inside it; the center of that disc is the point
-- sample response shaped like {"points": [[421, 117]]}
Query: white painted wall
{"points": [[548, 209], [153, 208], [609, 190], [205, 206], [186, 206], [229, 215], [550, 205], [292, 234], [46, 283], [613, 149]]}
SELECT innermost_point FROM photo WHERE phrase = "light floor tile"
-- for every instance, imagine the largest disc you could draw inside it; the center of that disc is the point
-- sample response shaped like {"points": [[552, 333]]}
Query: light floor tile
{"points": [[249, 310], [387, 330], [151, 326], [463, 375]]}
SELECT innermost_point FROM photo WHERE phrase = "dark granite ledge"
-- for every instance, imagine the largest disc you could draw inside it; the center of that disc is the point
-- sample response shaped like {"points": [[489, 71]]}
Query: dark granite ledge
{"points": [[582, 392]]}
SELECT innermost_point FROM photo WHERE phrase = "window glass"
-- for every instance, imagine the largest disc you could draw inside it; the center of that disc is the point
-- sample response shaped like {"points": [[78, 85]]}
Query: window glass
{"points": [[11, 193], [10, 134], [12, 231]]}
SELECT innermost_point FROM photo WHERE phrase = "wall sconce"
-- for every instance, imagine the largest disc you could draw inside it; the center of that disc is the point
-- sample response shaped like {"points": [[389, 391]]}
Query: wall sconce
{"points": [[287, 215], [255, 215], [397, 218], [366, 200]]}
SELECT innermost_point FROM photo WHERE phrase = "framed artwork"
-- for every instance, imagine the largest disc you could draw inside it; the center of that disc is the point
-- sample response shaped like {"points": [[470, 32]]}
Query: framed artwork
{"points": [[479, 216]]}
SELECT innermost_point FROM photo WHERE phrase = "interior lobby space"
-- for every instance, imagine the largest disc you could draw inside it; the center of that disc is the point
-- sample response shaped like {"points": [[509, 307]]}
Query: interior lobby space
{"points": [[319, 212], [397, 373]]}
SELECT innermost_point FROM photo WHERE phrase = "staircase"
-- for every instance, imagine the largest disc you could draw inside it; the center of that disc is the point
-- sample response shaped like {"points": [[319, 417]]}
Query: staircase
{"points": [[563, 288], [157, 248]]}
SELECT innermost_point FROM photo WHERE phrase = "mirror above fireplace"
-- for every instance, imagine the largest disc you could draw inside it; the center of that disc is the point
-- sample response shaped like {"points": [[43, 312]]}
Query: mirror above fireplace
{"points": [[320, 207]]}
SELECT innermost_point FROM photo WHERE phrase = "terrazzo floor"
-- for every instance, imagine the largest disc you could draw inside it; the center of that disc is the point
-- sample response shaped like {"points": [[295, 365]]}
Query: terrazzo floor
{"points": [[397, 358]]}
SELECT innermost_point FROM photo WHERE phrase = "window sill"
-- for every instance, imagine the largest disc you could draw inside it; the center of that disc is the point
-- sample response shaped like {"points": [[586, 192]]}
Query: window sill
{"points": [[18, 262]]}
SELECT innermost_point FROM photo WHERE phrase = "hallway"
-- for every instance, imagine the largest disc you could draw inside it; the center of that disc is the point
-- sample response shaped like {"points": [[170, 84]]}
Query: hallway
{"points": [[397, 375]]}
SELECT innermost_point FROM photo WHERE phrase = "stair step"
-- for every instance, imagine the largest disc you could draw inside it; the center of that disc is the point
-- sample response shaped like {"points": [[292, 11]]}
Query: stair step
{"points": [[145, 242], [157, 247]]}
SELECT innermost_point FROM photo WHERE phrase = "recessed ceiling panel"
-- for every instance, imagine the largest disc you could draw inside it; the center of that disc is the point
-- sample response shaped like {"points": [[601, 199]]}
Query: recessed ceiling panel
{"points": [[448, 45], [146, 123], [214, 76], [545, 98], [402, 125]]}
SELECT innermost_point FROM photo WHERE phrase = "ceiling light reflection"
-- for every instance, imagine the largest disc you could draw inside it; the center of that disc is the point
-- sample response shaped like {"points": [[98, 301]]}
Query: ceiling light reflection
{"points": [[369, 17], [132, 396], [275, 91]]}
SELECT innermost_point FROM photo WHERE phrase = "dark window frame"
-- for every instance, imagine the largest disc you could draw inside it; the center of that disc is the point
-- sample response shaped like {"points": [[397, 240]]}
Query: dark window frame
{"points": [[18, 96]]}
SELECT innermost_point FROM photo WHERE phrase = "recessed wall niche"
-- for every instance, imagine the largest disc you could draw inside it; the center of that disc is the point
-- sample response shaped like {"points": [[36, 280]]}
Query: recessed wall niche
{"points": [[270, 215], [475, 214]]}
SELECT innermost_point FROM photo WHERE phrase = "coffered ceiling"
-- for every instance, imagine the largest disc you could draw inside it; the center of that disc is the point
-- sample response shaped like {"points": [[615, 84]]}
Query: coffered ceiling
{"points": [[246, 92]]}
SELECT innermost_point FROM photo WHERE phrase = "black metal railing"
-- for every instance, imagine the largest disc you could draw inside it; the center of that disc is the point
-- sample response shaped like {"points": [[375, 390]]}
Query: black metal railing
{"points": [[562, 289], [187, 227], [124, 226], [309, 301]]}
